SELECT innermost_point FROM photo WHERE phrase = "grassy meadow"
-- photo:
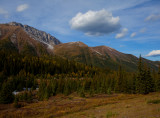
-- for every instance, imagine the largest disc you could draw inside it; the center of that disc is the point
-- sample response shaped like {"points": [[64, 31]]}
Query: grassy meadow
{"points": [[97, 106]]}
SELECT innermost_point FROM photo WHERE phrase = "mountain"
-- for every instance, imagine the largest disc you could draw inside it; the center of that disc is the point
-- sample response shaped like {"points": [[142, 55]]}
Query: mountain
{"points": [[26, 39], [100, 56]]}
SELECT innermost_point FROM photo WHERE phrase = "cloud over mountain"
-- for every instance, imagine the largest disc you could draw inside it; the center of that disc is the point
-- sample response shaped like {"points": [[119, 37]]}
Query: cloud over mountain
{"points": [[123, 32], [22, 7], [95, 23], [154, 53]]}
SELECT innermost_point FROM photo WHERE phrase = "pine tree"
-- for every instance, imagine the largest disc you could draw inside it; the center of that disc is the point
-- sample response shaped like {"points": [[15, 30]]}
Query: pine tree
{"points": [[6, 95], [149, 81], [157, 82], [46, 93], [42, 89], [144, 81], [119, 82], [16, 104], [82, 94], [67, 87], [54, 86], [140, 80], [2, 78]]}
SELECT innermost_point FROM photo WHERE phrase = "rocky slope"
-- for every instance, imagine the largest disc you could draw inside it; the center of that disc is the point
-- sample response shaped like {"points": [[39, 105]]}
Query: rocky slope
{"points": [[37, 34], [27, 39]]}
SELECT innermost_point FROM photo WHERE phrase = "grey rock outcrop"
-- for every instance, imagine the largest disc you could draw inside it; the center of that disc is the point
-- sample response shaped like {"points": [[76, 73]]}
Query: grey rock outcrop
{"points": [[38, 35]]}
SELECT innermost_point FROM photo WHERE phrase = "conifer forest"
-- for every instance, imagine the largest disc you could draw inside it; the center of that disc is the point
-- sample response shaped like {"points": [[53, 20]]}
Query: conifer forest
{"points": [[56, 75]]}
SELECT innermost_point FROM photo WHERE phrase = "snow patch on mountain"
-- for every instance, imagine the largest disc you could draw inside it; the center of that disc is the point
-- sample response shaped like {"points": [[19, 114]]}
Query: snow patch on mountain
{"points": [[97, 52]]}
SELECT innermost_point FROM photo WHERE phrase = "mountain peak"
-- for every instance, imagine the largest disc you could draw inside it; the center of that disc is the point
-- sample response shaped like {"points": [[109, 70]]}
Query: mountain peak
{"points": [[104, 47], [77, 43], [15, 24], [27, 39], [38, 35]]}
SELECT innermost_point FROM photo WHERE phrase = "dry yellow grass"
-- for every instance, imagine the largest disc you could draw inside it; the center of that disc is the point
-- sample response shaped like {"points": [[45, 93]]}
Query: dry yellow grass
{"points": [[135, 106], [99, 106]]}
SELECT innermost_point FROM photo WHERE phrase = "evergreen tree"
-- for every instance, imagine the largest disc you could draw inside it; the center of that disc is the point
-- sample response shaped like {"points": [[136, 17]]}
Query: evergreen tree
{"points": [[16, 104], [53, 85], [67, 87], [119, 82], [6, 95], [144, 81], [157, 81], [2, 78], [82, 94], [46, 93], [149, 81], [140, 80], [42, 90]]}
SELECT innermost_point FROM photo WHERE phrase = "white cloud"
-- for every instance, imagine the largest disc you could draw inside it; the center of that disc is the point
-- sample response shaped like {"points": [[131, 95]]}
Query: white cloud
{"points": [[22, 7], [154, 53], [142, 30], [133, 34], [95, 23], [4, 12], [153, 17], [122, 33]]}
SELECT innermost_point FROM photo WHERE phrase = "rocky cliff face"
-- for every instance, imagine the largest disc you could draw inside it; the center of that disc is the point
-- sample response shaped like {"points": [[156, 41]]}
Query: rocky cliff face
{"points": [[38, 35]]}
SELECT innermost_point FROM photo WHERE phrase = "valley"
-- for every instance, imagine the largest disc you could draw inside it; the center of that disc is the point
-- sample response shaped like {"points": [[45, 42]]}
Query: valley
{"points": [[79, 59], [42, 77]]}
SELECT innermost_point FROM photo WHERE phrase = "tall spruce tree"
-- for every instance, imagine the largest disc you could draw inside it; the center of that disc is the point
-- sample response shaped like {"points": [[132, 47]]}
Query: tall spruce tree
{"points": [[149, 85], [144, 80], [42, 90], [140, 80], [119, 82], [6, 95], [157, 81]]}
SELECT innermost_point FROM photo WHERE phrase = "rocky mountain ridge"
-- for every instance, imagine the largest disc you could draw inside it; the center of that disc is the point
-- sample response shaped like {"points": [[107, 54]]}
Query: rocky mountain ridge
{"points": [[26, 39], [37, 34]]}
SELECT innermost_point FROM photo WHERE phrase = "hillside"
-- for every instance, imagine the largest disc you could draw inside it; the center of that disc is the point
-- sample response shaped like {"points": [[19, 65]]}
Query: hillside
{"points": [[25, 39], [100, 56]]}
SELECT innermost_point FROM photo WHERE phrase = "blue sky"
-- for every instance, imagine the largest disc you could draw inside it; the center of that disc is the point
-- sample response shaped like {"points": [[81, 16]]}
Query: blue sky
{"points": [[129, 26]]}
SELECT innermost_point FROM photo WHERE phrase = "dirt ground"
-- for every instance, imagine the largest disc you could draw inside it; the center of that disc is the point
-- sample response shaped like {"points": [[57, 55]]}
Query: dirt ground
{"points": [[98, 106]]}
